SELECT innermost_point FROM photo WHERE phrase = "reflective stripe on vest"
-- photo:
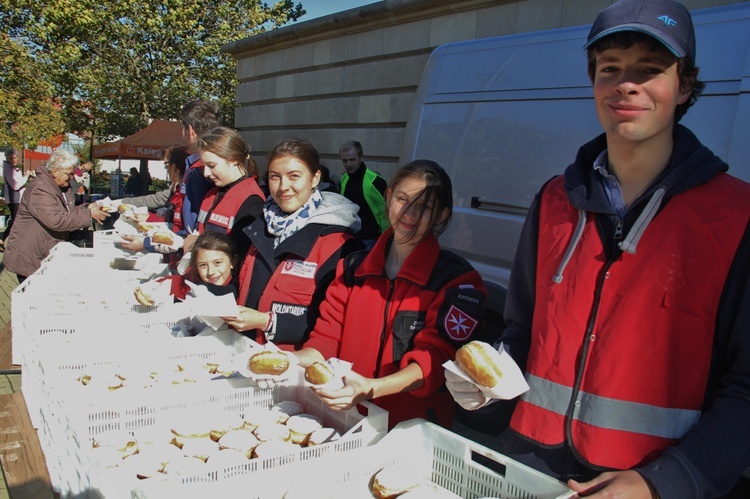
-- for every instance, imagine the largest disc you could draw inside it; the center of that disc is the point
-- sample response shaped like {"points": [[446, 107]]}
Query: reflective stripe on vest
{"points": [[611, 413], [214, 219]]}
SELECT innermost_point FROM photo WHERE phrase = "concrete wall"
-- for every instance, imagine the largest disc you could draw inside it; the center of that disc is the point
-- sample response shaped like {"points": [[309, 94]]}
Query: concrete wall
{"points": [[353, 75]]}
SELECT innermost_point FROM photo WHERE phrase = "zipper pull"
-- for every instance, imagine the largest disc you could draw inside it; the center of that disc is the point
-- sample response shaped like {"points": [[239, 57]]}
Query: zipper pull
{"points": [[618, 230]]}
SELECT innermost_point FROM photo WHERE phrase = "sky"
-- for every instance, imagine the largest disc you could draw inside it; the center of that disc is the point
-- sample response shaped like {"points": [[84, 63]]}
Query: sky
{"points": [[320, 8]]}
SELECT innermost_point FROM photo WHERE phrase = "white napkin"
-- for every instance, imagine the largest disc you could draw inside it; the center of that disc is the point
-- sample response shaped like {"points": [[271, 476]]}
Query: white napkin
{"points": [[510, 386], [209, 307]]}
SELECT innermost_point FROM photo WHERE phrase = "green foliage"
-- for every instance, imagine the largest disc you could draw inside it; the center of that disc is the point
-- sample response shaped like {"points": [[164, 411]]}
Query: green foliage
{"points": [[116, 64], [28, 112], [158, 184]]}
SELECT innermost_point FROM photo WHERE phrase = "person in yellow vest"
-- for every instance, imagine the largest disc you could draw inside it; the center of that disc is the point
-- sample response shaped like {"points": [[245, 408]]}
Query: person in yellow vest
{"points": [[366, 189], [628, 305]]}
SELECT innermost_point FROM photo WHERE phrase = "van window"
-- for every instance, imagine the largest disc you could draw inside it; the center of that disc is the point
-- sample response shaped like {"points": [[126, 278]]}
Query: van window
{"points": [[506, 150]]}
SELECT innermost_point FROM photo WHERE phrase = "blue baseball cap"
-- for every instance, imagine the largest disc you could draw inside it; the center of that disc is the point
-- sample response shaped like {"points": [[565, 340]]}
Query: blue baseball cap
{"points": [[667, 21]]}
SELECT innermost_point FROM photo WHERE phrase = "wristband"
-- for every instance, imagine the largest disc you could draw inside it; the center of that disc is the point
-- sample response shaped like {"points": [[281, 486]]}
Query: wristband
{"points": [[271, 331], [269, 323]]}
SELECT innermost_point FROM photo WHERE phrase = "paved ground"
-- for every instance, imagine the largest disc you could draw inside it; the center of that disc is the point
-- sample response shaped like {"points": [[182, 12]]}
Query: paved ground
{"points": [[9, 383]]}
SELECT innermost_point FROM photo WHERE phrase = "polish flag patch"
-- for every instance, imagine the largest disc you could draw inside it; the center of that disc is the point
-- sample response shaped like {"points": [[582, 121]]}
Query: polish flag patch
{"points": [[458, 324]]}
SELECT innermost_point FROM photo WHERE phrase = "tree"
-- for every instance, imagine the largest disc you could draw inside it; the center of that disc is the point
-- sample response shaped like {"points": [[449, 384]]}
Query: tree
{"points": [[116, 64], [28, 112]]}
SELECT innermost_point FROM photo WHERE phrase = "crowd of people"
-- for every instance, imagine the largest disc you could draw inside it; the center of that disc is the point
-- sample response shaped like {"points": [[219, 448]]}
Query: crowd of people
{"points": [[628, 307]]}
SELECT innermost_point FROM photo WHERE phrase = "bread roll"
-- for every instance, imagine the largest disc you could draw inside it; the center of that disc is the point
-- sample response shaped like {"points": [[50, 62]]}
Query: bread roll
{"points": [[240, 440], [323, 436], [273, 431], [393, 481], [302, 425], [286, 409], [318, 373], [257, 416], [123, 207], [475, 359], [145, 227], [225, 423], [202, 448], [192, 427], [145, 465], [143, 298], [269, 362], [122, 441], [185, 466], [160, 237]]}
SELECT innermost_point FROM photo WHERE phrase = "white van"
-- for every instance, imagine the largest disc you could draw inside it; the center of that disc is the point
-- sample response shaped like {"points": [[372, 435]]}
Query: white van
{"points": [[503, 115]]}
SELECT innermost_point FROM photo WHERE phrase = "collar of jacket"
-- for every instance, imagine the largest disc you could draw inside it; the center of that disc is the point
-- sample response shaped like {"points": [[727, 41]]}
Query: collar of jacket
{"points": [[300, 243], [416, 268], [43, 175]]}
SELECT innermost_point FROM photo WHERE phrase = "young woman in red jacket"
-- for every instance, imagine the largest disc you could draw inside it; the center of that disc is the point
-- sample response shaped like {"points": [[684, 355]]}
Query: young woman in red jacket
{"points": [[236, 198], [401, 310], [295, 249]]}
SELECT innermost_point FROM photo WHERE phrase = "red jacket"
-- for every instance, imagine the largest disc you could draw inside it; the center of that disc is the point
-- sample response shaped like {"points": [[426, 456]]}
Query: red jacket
{"points": [[218, 212], [175, 206], [435, 304], [613, 396], [291, 279]]}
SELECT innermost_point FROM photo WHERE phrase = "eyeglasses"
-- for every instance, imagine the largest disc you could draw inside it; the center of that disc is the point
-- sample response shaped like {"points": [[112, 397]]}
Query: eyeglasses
{"points": [[69, 174]]}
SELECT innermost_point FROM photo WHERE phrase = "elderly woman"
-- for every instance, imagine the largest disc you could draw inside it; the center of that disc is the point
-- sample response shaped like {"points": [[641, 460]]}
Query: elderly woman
{"points": [[46, 216]]}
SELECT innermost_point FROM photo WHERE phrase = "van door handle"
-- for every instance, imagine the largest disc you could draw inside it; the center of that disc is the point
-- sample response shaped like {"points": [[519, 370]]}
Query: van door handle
{"points": [[499, 206]]}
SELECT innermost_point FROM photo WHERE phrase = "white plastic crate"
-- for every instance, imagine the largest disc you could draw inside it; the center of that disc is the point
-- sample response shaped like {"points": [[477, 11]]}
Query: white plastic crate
{"points": [[106, 259], [43, 308], [81, 476], [19, 303], [454, 465], [53, 343], [448, 466]]}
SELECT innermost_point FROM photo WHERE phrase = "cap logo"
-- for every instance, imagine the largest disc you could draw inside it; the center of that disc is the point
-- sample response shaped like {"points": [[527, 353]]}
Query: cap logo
{"points": [[667, 20]]}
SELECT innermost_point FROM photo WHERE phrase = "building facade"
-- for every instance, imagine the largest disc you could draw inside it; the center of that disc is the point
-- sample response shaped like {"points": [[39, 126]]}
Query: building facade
{"points": [[354, 75]]}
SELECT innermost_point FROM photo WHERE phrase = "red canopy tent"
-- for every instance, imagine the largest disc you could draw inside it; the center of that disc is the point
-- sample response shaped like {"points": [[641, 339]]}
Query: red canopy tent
{"points": [[148, 143], [34, 159]]}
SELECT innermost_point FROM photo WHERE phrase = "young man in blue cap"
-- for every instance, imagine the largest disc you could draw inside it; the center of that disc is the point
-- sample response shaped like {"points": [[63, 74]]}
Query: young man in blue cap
{"points": [[629, 300]]}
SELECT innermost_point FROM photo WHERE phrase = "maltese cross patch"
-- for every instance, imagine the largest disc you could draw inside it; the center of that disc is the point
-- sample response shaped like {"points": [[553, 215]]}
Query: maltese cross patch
{"points": [[458, 324]]}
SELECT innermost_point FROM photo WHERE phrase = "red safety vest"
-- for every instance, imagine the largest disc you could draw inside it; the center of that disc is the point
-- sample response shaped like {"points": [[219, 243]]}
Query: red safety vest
{"points": [[222, 215], [618, 365], [176, 201], [293, 282]]}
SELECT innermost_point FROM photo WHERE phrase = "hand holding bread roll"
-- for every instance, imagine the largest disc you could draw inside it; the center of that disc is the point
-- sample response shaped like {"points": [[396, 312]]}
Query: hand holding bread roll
{"points": [[475, 359], [318, 373], [162, 237]]}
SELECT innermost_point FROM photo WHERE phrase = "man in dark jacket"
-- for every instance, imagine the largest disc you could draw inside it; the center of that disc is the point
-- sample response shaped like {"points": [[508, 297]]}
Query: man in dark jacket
{"points": [[629, 299]]}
